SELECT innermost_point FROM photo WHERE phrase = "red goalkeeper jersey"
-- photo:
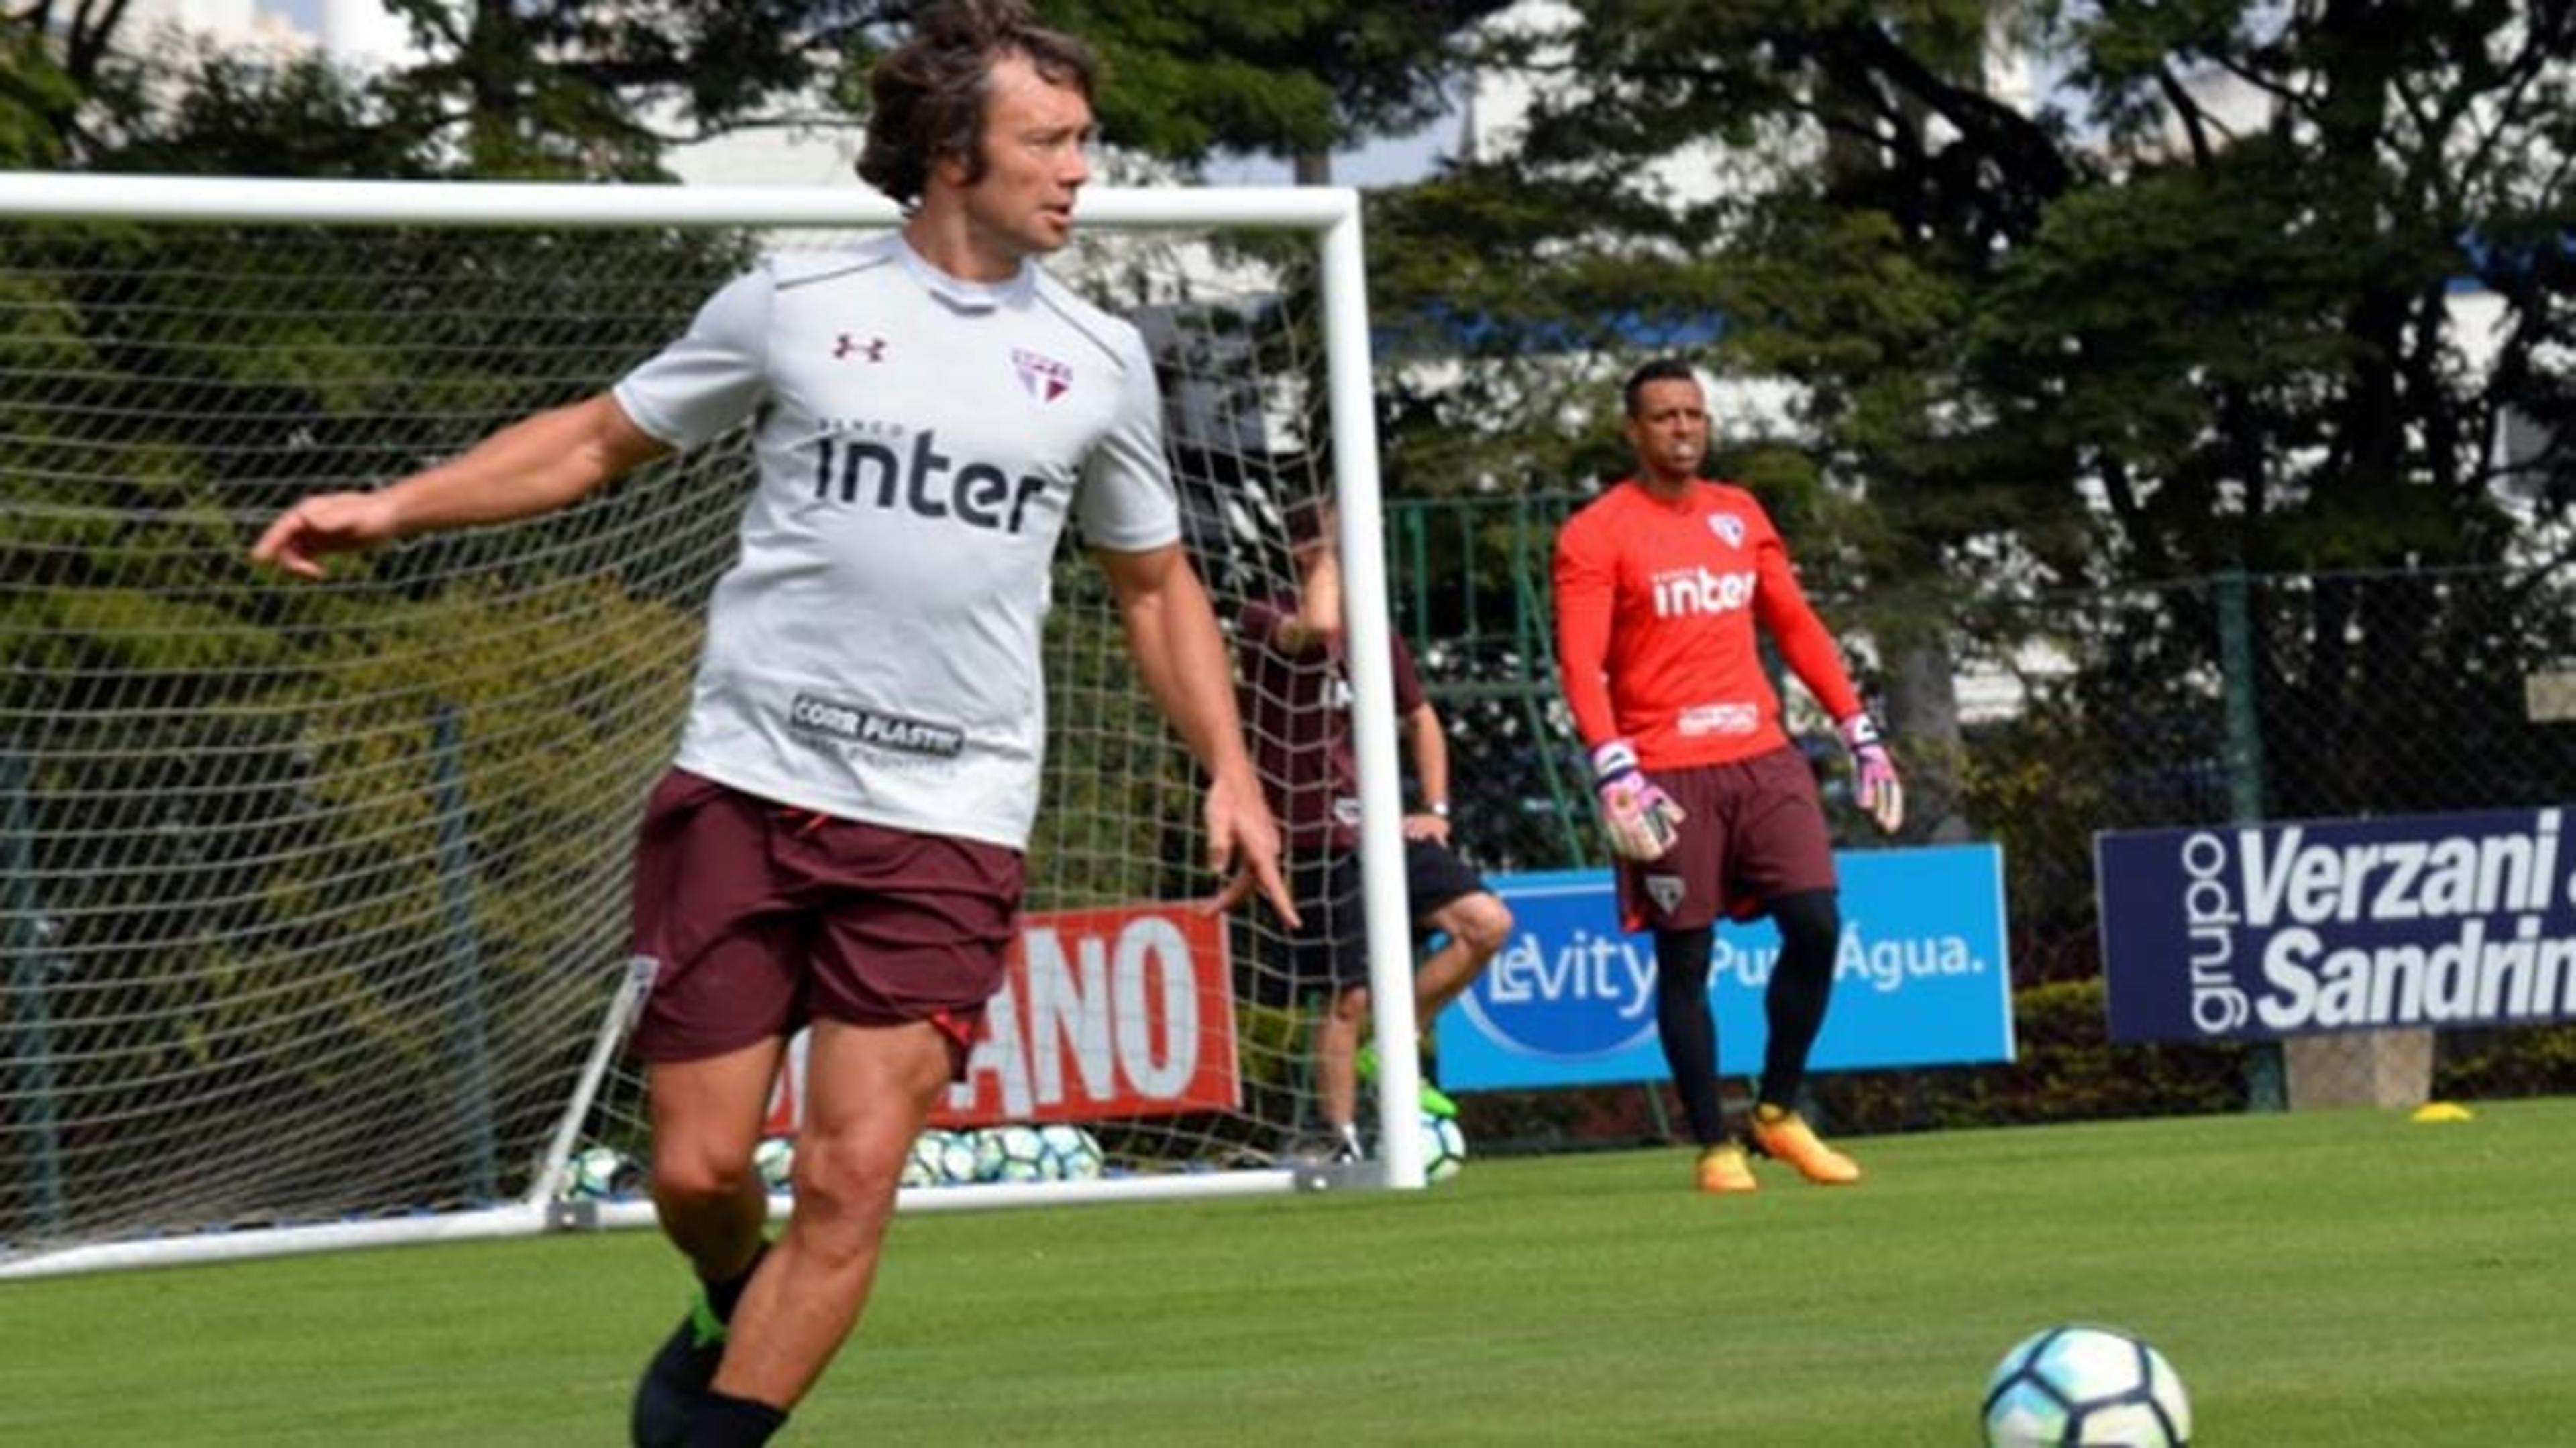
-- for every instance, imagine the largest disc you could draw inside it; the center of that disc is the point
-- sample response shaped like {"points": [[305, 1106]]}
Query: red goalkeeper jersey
{"points": [[1655, 607]]}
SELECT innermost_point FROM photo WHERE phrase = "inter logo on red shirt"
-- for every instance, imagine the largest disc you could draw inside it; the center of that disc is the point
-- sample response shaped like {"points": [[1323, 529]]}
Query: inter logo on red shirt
{"points": [[1696, 592]]}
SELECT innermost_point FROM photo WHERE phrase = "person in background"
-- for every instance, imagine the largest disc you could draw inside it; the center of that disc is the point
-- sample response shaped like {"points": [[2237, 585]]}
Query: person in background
{"points": [[1299, 712], [1709, 809]]}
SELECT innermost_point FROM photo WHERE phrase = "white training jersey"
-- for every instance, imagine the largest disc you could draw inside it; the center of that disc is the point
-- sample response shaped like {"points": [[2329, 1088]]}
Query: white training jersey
{"points": [[873, 652]]}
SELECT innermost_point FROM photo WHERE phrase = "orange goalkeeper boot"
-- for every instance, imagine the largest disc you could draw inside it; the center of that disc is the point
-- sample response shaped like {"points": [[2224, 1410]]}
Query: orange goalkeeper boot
{"points": [[1784, 1136], [1722, 1168]]}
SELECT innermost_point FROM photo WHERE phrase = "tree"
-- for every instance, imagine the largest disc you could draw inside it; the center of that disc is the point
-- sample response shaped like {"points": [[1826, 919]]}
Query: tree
{"points": [[2308, 391], [34, 91], [2108, 335], [1295, 79]]}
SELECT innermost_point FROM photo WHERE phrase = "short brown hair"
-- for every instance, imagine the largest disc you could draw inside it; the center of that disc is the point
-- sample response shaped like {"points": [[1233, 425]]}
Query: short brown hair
{"points": [[928, 94]]}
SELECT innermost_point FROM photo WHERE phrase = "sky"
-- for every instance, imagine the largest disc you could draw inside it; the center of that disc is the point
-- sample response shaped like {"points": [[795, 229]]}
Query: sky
{"points": [[1382, 163]]}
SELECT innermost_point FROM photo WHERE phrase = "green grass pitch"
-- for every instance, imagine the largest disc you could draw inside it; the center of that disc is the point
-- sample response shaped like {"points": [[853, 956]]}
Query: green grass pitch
{"points": [[2332, 1278]]}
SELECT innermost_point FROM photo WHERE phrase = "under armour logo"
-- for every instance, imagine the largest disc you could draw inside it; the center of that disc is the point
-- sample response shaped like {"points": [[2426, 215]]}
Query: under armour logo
{"points": [[874, 347]]}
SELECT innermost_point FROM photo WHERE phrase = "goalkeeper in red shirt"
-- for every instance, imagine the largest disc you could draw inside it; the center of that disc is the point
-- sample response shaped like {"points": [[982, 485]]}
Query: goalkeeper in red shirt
{"points": [[1703, 799]]}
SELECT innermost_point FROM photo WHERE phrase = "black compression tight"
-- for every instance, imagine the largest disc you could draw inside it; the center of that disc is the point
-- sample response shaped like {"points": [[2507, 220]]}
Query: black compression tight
{"points": [[1688, 1027], [1803, 981], [1793, 1007]]}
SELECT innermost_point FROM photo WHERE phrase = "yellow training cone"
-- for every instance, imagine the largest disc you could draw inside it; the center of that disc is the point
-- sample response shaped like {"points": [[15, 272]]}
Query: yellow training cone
{"points": [[2443, 1111]]}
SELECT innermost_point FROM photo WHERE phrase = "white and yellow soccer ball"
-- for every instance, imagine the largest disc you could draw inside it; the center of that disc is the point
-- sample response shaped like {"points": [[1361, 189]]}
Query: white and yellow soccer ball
{"points": [[2080, 1383], [940, 1158], [597, 1173], [775, 1160], [1444, 1147]]}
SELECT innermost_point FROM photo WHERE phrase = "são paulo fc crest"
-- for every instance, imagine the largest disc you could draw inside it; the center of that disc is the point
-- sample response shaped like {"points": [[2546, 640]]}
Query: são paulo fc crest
{"points": [[1044, 378], [1666, 891], [1729, 527]]}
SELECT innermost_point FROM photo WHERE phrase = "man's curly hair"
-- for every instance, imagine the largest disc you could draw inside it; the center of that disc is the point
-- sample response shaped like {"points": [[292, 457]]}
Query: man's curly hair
{"points": [[928, 94]]}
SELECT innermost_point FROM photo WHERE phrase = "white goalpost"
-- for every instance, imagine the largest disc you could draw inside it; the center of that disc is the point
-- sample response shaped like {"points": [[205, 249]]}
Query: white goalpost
{"points": [[313, 897]]}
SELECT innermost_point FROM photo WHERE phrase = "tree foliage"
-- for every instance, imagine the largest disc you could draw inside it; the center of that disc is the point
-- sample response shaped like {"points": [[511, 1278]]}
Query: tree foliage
{"points": [[2123, 326], [1188, 79], [2284, 287], [2279, 287]]}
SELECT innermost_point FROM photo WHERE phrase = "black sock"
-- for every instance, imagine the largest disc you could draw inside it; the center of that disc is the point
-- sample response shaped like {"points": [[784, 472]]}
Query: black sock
{"points": [[1688, 1027], [720, 1420], [1802, 982], [726, 1295]]}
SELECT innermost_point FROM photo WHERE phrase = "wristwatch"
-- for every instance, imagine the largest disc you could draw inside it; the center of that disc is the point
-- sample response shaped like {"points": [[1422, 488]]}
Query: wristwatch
{"points": [[1439, 807]]}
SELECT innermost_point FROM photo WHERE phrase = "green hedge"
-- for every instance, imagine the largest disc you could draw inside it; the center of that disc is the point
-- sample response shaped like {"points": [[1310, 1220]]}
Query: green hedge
{"points": [[2068, 1070]]}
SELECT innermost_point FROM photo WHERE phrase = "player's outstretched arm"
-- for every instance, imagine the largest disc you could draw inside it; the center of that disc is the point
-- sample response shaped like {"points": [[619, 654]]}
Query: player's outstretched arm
{"points": [[533, 466], [1172, 633]]}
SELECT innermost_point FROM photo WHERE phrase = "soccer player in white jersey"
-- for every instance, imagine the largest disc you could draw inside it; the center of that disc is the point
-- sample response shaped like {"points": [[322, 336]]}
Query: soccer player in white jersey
{"points": [[840, 838]]}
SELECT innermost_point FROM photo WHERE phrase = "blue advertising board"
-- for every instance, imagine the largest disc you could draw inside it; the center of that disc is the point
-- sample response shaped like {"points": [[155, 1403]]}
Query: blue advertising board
{"points": [[1921, 978], [2259, 931]]}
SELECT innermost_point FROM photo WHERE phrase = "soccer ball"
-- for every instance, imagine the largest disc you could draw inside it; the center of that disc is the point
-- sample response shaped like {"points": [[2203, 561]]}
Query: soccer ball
{"points": [[920, 1165], [599, 1172], [775, 1159], [1071, 1153], [2078, 1384], [1011, 1154], [939, 1158], [1444, 1147]]}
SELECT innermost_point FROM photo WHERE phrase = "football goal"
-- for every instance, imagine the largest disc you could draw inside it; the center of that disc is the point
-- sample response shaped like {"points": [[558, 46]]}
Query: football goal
{"points": [[313, 896]]}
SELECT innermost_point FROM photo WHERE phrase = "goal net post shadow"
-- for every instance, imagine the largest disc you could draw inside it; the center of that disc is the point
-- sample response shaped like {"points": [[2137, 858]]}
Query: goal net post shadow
{"points": [[314, 894]]}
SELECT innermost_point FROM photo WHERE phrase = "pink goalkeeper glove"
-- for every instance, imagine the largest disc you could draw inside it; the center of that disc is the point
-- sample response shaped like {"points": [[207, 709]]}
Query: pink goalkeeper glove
{"points": [[1637, 818], [1874, 781]]}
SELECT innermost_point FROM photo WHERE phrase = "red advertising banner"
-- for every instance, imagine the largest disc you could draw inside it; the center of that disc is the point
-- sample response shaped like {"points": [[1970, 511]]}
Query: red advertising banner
{"points": [[1127, 1011]]}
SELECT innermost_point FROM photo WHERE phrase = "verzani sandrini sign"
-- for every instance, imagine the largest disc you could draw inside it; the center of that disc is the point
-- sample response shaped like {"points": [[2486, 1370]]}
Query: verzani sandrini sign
{"points": [[1921, 977], [2257, 931]]}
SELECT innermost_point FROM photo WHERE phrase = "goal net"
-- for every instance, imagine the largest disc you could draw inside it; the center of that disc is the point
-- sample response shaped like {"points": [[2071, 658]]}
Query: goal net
{"points": [[314, 895]]}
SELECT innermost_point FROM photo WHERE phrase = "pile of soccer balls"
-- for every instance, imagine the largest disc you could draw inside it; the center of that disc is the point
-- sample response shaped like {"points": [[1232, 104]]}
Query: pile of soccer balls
{"points": [[943, 1158], [940, 1158], [1055, 1152], [2078, 1384]]}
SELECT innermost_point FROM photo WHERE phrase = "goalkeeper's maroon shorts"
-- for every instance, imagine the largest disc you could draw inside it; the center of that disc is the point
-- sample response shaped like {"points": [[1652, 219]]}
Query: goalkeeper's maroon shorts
{"points": [[755, 918], [1753, 830]]}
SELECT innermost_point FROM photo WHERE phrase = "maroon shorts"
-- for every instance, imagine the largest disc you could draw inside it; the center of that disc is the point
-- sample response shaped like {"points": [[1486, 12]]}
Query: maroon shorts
{"points": [[1754, 831], [758, 917]]}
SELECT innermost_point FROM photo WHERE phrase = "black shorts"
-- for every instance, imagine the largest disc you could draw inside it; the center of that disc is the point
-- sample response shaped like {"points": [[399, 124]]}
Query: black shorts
{"points": [[1330, 947]]}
